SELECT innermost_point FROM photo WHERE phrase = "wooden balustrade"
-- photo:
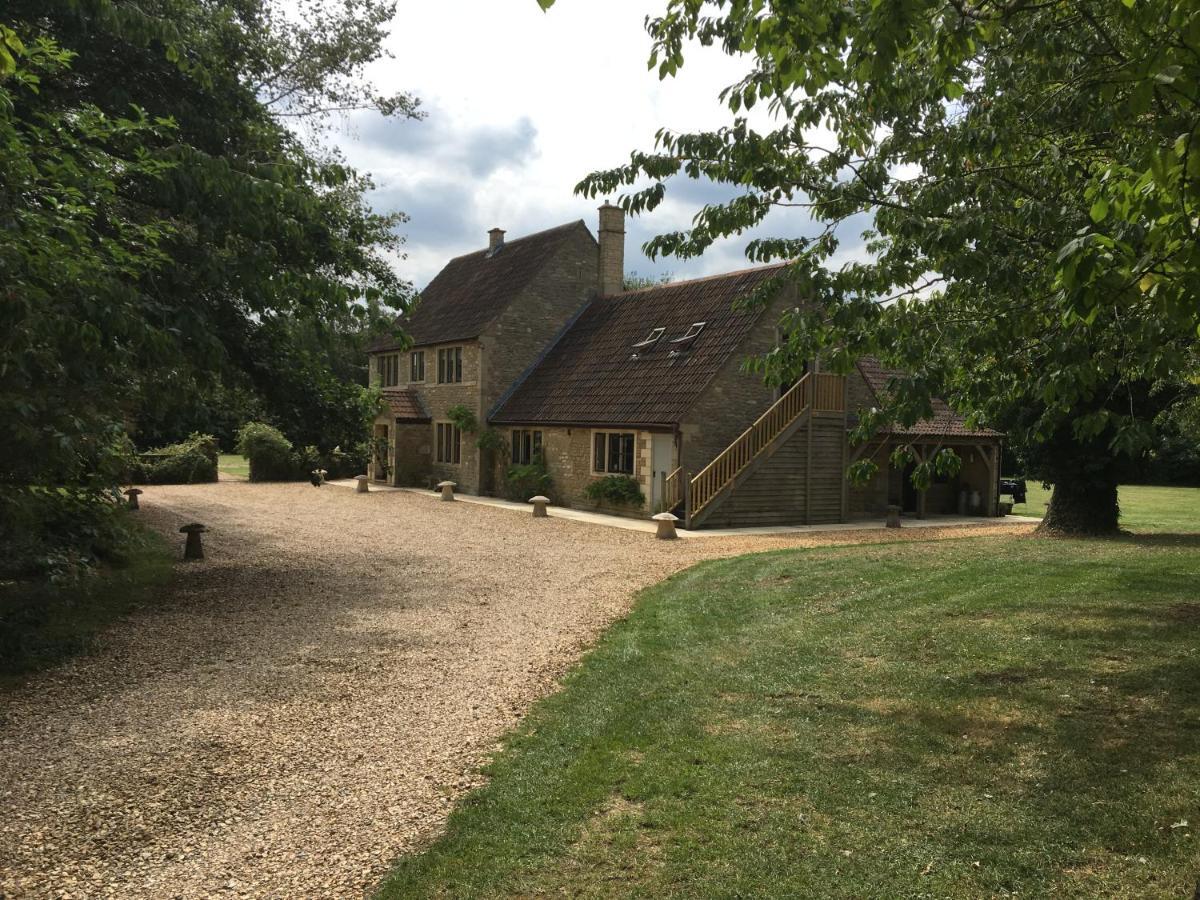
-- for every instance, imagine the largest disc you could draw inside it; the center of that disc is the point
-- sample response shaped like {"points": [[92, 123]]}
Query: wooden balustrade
{"points": [[672, 493], [829, 393], [709, 481], [821, 392]]}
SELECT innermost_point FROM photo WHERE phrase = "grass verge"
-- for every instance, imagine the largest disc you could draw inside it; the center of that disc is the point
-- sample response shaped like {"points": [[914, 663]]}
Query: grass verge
{"points": [[42, 624], [232, 464], [973, 718]]}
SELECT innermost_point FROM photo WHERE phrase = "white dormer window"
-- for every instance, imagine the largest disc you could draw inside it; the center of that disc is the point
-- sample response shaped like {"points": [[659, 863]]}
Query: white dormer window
{"points": [[651, 339], [692, 333]]}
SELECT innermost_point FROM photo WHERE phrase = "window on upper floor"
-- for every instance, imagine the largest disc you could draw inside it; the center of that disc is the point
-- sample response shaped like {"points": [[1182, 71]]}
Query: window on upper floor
{"points": [[526, 446], [612, 452], [387, 369], [449, 443], [449, 365], [650, 340], [691, 334], [416, 365]]}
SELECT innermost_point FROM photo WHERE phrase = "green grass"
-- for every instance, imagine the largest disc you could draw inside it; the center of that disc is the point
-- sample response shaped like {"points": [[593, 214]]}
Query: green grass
{"points": [[232, 464], [969, 718], [42, 624], [1143, 508]]}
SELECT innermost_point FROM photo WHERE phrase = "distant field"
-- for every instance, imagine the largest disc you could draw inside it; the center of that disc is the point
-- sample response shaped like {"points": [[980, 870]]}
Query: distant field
{"points": [[1143, 508], [232, 464]]}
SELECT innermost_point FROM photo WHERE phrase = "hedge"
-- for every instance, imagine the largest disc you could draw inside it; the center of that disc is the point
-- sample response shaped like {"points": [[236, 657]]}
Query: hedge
{"points": [[273, 458], [193, 461]]}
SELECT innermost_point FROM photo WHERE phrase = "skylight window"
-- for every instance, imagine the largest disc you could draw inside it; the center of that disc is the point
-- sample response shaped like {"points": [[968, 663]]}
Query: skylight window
{"points": [[651, 339], [692, 333]]}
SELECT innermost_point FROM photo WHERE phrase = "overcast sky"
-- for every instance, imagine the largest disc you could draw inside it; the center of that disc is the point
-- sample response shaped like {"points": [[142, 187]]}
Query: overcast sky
{"points": [[521, 105]]}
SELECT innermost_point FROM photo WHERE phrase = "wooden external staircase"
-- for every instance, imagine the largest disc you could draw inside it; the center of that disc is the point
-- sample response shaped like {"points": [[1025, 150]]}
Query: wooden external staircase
{"points": [[702, 494]]}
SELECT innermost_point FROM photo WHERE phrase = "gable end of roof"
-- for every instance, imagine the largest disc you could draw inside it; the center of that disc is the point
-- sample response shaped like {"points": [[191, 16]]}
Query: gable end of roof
{"points": [[473, 289]]}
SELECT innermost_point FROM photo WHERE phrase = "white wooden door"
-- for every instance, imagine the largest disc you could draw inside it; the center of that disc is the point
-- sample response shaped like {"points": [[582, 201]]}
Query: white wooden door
{"points": [[662, 453]]}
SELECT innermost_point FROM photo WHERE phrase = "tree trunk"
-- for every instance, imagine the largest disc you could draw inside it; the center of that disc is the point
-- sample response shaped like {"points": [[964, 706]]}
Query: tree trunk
{"points": [[1082, 506]]}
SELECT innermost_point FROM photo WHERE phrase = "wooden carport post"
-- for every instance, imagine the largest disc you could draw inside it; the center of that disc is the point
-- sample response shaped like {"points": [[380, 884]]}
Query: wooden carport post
{"points": [[845, 517], [808, 464], [992, 497], [919, 453]]}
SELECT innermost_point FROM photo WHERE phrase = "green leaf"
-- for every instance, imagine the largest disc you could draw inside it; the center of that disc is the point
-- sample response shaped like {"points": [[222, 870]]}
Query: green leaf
{"points": [[1099, 210]]}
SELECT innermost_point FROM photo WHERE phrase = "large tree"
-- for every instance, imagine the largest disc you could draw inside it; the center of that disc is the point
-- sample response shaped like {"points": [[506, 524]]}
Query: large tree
{"points": [[168, 216], [1030, 171]]}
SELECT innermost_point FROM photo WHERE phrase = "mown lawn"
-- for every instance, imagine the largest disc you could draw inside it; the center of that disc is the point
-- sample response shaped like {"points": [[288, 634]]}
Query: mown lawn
{"points": [[1143, 508], [232, 464], [971, 718]]}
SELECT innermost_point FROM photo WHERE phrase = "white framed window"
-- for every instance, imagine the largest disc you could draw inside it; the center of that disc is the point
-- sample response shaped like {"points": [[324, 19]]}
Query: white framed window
{"points": [[416, 365], [448, 444], [613, 452], [651, 339], [691, 334], [449, 365], [387, 369], [526, 446]]}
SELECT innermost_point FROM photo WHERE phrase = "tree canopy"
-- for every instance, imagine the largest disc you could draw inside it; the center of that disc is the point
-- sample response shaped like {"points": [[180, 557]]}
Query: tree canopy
{"points": [[170, 223], [1029, 171]]}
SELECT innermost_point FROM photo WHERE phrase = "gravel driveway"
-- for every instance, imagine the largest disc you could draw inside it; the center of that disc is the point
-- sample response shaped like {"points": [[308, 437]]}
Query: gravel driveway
{"points": [[314, 696]]}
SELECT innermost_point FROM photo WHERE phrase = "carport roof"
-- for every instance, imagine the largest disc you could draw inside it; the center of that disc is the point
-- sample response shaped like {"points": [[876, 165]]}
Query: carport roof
{"points": [[945, 422]]}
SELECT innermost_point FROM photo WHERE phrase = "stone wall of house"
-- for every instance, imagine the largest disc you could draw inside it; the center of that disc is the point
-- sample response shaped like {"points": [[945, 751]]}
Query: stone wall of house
{"points": [[507, 347], [437, 400], [799, 484], [534, 318], [871, 499], [413, 449], [859, 395], [733, 399], [568, 456]]}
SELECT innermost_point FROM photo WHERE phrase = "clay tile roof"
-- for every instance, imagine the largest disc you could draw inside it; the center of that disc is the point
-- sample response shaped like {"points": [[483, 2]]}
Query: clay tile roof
{"points": [[590, 376], [945, 422], [472, 290], [406, 406]]}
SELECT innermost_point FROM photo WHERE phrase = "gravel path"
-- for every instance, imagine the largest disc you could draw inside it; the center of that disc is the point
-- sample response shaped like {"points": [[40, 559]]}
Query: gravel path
{"points": [[315, 695]]}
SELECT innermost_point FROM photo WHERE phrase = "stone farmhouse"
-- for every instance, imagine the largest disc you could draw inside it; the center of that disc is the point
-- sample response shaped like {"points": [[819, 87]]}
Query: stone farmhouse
{"points": [[537, 339]]}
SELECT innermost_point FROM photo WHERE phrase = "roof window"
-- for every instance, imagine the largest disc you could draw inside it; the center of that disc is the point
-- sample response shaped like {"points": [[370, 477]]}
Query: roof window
{"points": [[692, 333], [651, 339]]}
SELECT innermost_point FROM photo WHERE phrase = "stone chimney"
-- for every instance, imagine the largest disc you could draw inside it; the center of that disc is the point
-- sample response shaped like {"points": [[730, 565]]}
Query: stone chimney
{"points": [[612, 249], [495, 238]]}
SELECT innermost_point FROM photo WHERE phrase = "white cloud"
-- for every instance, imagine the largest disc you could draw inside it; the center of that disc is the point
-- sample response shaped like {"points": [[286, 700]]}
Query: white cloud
{"points": [[522, 105]]}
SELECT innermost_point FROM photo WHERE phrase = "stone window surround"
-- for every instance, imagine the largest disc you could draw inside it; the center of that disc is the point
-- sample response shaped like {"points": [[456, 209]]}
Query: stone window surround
{"points": [[456, 455], [536, 444], [598, 473], [450, 362], [388, 369]]}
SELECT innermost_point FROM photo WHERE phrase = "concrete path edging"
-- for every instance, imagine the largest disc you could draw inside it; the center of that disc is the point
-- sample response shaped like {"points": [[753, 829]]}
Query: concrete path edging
{"points": [[645, 525]]}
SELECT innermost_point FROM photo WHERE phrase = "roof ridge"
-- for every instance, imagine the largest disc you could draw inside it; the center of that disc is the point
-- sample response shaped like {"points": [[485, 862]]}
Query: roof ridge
{"points": [[525, 237], [671, 284]]}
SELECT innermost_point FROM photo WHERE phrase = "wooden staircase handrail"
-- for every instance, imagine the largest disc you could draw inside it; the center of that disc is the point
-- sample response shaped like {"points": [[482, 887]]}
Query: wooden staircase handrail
{"points": [[819, 391], [672, 490]]}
